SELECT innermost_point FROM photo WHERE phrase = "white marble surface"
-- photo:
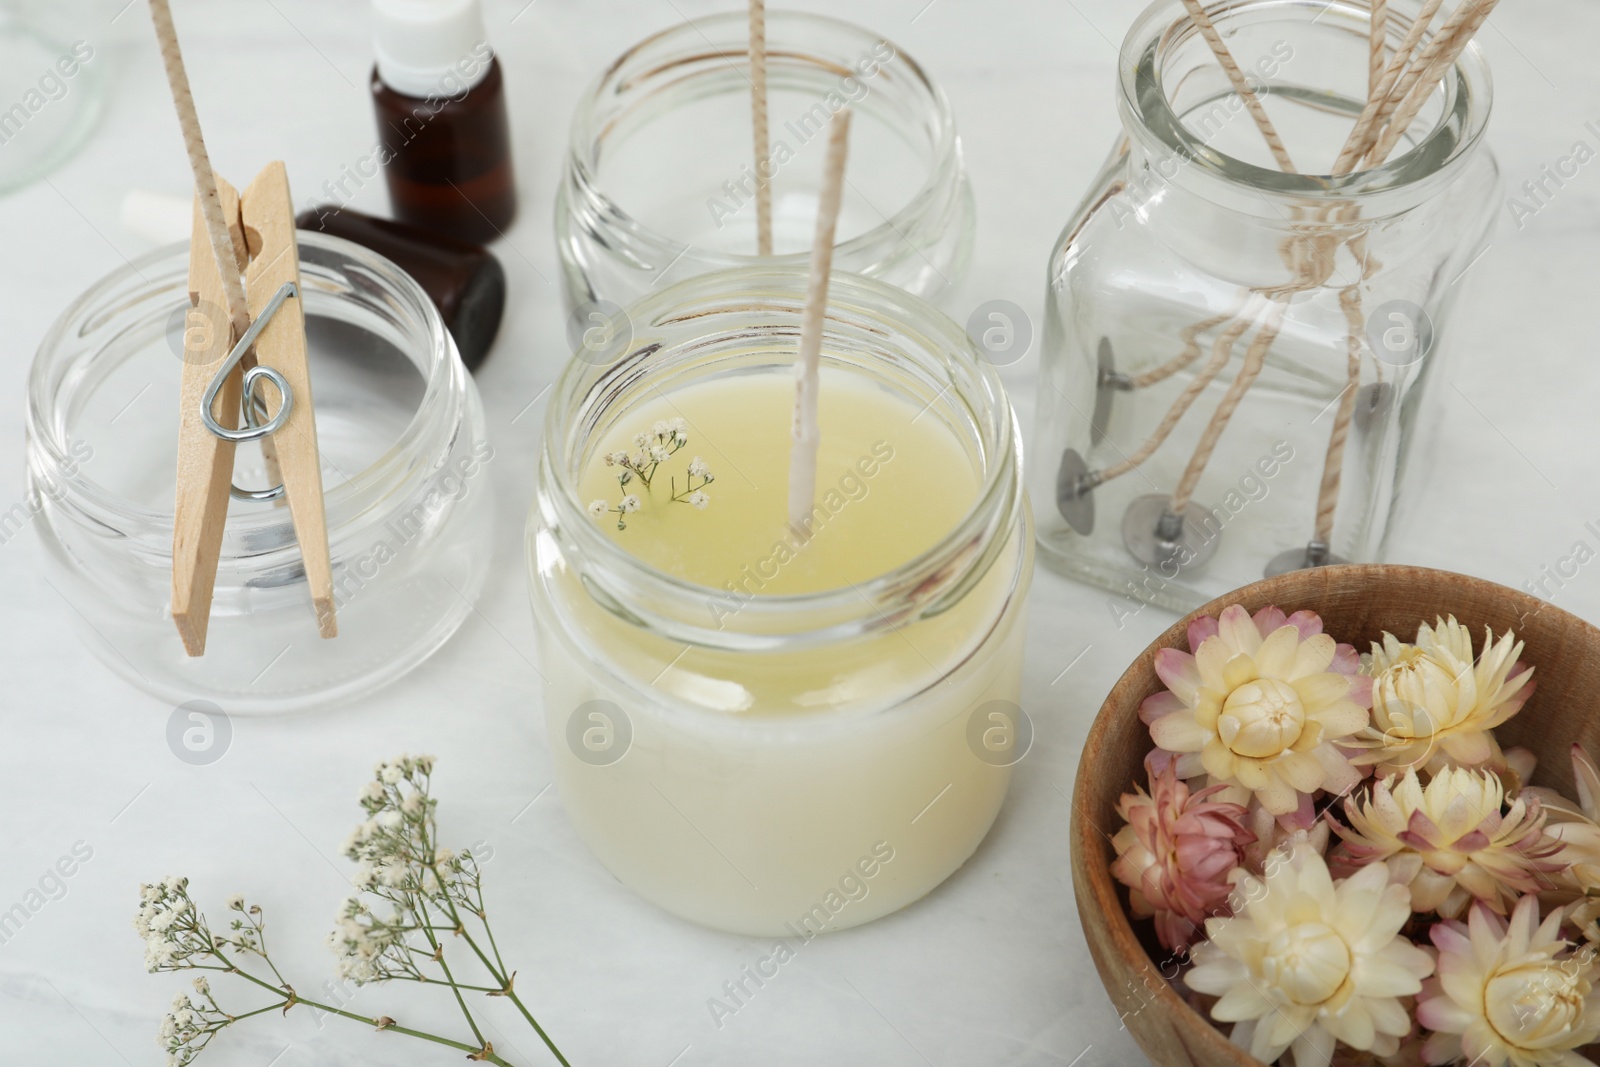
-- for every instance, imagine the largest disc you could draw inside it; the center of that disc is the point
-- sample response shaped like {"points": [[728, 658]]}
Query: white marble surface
{"points": [[991, 969]]}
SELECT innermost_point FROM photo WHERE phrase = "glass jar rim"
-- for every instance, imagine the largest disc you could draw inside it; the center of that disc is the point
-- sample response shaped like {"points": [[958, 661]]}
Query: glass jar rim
{"points": [[1150, 117], [353, 496], [920, 586], [585, 135]]}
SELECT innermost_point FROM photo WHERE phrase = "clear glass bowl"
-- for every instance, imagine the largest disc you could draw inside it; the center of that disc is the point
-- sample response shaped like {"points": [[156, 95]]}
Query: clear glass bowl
{"points": [[757, 765], [404, 460], [659, 183], [1191, 235]]}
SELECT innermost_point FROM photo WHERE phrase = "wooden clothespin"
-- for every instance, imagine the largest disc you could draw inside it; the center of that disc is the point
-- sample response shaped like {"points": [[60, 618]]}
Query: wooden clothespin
{"points": [[243, 257], [222, 376]]}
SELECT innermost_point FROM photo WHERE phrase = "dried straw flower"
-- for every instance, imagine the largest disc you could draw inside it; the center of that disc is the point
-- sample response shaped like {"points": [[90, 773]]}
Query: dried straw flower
{"points": [[1175, 855], [1510, 992], [1306, 962], [1259, 707], [1450, 842], [1434, 706]]}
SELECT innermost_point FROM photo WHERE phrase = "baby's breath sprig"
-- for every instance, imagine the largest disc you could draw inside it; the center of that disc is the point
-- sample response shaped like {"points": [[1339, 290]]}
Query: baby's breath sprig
{"points": [[693, 494], [665, 439], [430, 891]]}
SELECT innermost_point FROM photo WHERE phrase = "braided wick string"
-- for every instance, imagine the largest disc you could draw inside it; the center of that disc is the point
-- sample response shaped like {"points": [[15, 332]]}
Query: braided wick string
{"points": [[1221, 353], [1416, 76], [1361, 135], [1190, 336], [1241, 84], [1376, 35], [1432, 72], [223, 250], [205, 179], [1255, 358], [758, 112], [1333, 462], [1428, 70]]}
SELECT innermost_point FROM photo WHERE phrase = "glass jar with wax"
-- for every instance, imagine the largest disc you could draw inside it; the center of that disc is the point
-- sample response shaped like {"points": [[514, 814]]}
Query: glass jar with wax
{"points": [[661, 181], [405, 463], [759, 731]]}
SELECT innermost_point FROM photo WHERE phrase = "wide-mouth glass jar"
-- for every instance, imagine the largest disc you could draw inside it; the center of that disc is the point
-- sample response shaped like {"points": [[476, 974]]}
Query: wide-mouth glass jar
{"points": [[660, 178], [404, 465], [1236, 358], [783, 763]]}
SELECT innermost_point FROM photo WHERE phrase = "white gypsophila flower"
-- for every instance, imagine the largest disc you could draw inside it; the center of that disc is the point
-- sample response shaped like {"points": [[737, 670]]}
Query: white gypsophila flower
{"points": [[641, 440], [1306, 962], [390, 820], [372, 792], [392, 772], [443, 857], [629, 505], [413, 804], [599, 508], [659, 453], [235, 902], [698, 468], [661, 428], [697, 499]]}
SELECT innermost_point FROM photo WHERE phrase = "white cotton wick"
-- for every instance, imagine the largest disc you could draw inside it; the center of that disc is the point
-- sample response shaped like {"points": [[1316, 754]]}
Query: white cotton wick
{"points": [[807, 436]]}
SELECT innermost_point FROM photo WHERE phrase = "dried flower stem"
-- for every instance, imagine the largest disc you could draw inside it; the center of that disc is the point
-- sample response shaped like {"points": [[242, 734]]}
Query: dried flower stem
{"points": [[433, 892]]}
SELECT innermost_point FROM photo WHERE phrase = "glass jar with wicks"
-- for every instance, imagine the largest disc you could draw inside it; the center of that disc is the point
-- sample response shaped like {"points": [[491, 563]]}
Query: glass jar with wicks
{"points": [[660, 181], [1236, 355]]}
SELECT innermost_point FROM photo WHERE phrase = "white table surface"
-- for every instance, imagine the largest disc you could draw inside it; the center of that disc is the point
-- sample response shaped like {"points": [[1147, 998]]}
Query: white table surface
{"points": [[991, 968]]}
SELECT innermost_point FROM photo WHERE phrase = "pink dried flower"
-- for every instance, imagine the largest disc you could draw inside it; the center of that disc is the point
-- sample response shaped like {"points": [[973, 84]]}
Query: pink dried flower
{"points": [[1450, 841], [1175, 855], [1259, 706]]}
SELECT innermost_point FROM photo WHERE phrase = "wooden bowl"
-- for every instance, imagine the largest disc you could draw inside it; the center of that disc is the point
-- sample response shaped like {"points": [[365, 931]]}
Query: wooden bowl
{"points": [[1357, 604]]}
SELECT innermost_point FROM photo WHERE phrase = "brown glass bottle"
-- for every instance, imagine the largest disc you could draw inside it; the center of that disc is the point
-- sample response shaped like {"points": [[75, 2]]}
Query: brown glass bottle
{"points": [[464, 281], [447, 159]]}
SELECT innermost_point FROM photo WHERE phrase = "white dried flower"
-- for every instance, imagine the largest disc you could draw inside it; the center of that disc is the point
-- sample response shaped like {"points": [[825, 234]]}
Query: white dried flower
{"points": [[235, 902], [599, 508], [1434, 704], [697, 499], [698, 469], [1305, 962], [629, 505], [1510, 992]]}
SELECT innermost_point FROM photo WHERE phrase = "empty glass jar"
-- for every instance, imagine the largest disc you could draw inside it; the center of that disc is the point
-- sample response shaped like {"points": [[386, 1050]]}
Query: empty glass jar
{"points": [[660, 180], [1234, 355], [405, 463]]}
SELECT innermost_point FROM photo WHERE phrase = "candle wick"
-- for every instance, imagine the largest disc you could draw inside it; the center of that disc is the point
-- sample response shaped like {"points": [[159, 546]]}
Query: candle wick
{"points": [[806, 433]]}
